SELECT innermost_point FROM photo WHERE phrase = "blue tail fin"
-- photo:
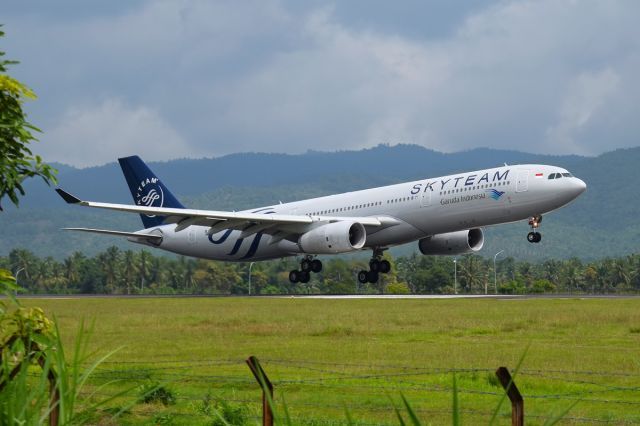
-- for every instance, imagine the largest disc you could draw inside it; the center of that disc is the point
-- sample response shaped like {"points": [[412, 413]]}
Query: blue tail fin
{"points": [[147, 189]]}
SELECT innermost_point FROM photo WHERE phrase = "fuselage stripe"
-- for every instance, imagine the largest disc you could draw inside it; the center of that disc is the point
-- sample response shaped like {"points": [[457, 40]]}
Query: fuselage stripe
{"points": [[236, 247], [221, 239], [254, 246]]}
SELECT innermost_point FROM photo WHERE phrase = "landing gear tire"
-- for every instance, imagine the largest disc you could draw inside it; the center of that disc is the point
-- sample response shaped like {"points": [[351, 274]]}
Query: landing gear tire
{"points": [[316, 266], [307, 266], [534, 237], [377, 266]]}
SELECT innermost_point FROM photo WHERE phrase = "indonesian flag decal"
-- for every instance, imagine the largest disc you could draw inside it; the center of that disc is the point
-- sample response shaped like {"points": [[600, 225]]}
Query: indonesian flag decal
{"points": [[538, 175]]}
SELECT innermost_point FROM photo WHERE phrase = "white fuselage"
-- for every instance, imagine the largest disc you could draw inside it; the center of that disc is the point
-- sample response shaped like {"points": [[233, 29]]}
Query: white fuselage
{"points": [[420, 209]]}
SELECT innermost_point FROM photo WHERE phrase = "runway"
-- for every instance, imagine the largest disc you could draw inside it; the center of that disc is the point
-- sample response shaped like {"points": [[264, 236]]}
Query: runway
{"points": [[336, 296]]}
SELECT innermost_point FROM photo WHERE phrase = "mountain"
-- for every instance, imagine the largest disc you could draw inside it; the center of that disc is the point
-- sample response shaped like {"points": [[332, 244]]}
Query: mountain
{"points": [[600, 223]]}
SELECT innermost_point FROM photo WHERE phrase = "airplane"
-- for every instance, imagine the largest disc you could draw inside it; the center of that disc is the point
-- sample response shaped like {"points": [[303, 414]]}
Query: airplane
{"points": [[445, 215]]}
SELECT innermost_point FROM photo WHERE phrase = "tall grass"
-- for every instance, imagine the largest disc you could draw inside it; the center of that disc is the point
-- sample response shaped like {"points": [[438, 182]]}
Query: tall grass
{"points": [[38, 380]]}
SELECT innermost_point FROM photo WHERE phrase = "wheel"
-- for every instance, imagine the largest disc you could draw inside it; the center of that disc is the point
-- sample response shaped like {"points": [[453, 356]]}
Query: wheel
{"points": [[294, 276], [538, 237], [374, 265], [305, 265], [305, 277], [316, 266], [385, 266], [531, 237], [363, 277], [372, 277]]}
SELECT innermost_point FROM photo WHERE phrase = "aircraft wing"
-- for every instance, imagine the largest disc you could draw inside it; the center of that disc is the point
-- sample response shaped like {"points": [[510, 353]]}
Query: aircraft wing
{"points": [[218, 220]]}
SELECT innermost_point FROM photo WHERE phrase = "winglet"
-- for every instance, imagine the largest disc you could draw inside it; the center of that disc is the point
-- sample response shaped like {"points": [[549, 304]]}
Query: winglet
{"points": [[71, 199]]}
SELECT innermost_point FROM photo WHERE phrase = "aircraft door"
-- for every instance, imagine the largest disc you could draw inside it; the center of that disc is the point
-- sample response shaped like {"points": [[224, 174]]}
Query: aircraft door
{"points": [[425, 198], [191, 235], [522, 184]]}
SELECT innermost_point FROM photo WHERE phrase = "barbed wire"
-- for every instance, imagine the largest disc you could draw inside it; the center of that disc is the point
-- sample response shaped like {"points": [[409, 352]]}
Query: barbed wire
{"points": [[296, 363], [377, 380]]}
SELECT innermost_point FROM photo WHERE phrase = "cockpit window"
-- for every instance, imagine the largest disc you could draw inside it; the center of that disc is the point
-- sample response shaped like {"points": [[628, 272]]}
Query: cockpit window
{"points": [[567, 175], [552, 176]]}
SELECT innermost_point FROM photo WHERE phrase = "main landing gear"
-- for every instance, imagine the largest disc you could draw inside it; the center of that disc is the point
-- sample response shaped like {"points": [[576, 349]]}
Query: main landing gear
{"points": [[534, 236], [307, 265], [377, 266]]}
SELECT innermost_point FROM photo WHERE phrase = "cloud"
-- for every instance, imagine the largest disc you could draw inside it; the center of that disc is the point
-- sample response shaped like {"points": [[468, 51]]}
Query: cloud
{"points": [[97, 134], [586, 94], [267, 75]]}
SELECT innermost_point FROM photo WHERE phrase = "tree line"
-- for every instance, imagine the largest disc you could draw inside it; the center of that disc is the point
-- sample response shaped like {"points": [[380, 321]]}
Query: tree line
{"points": [[116, 271]]}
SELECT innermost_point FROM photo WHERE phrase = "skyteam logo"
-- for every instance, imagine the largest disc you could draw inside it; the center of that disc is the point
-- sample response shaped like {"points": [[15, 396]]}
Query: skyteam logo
{"points": [[495, 194], [149, 193]]}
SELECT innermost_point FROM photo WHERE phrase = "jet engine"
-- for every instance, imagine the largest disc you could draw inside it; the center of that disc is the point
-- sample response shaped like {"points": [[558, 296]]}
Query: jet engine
{"points": [[458, 242], [337, 237]]}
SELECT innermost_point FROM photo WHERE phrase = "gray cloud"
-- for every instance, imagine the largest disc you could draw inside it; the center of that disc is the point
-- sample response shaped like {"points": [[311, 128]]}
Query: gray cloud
{"points": [[196, 78]]}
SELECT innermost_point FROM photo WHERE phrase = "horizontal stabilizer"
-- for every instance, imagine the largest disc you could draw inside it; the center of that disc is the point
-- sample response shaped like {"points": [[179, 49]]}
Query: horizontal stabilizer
{"points": [[148, 237]]}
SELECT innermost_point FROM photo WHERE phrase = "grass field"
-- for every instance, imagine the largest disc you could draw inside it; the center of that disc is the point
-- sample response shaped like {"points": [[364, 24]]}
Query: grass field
{"points": [[325, 355]]}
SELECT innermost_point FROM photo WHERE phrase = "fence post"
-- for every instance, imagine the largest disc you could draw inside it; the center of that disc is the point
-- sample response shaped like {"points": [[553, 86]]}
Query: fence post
{"points": [[517, 403], [265, 384], [54, 394]]}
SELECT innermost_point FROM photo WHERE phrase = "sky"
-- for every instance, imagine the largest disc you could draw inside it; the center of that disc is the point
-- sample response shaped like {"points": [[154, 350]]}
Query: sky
{"points": [[172, 79]]}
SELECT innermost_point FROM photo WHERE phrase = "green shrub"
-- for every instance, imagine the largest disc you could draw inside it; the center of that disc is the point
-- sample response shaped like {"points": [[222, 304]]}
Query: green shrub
{"points": [[155, 392], [226, 414]]}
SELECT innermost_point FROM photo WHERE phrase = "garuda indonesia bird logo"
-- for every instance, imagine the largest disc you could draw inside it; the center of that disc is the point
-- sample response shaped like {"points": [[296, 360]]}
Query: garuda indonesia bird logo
{"points": [[495, 194]]}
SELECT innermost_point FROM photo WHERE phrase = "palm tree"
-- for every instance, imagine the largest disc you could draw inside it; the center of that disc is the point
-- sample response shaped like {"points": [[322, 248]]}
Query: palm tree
{"points": [[624, 272], [129, 269], [109, 262], [551, 269], [72, 266], [473, 274], [189, 280], [570, 274]]}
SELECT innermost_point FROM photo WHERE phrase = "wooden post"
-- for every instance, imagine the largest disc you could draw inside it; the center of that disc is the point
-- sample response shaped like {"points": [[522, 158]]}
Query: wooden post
{"points": [[517, 403], [54, 394], [35, 351], [265, 384]]}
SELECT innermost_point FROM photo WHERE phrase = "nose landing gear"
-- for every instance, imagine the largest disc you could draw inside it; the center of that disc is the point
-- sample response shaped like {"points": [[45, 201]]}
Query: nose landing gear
{"points": [[377, 266], [307, 266], [534, 236]]}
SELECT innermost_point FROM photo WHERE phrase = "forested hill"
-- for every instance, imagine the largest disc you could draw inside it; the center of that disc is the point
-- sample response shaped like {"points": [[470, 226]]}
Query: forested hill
{"points": [[601, 223]]}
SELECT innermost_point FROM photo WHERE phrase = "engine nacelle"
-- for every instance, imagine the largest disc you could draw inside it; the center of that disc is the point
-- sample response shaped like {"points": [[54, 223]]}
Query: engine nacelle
{"points": [[458, 242], [337, 237]]}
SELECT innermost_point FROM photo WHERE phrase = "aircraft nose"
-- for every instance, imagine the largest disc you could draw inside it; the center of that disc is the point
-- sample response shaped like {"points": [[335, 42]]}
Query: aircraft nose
{"points": [[579, 186]]}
